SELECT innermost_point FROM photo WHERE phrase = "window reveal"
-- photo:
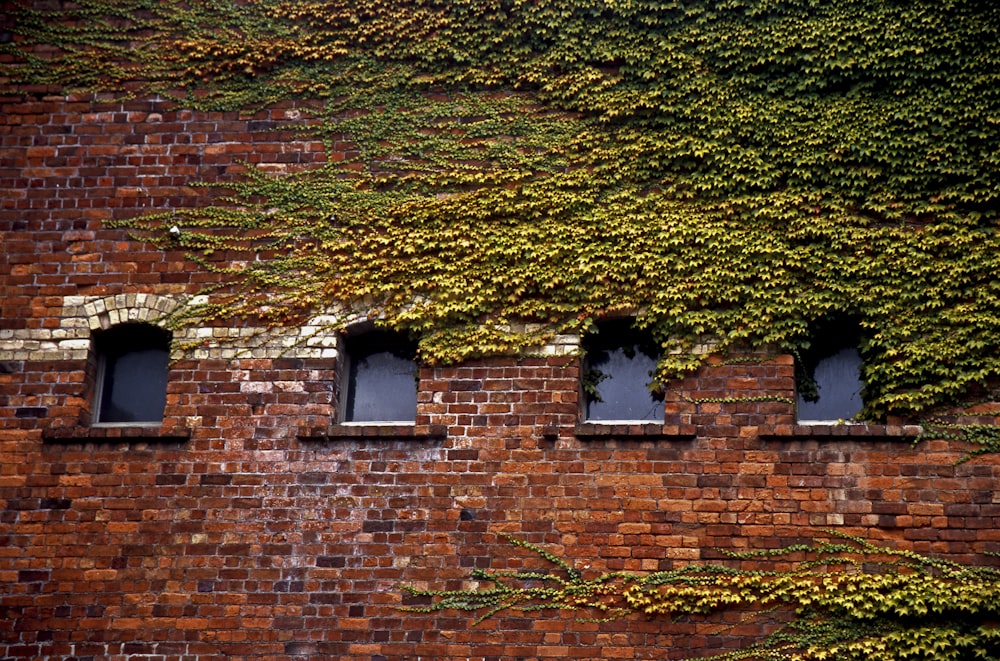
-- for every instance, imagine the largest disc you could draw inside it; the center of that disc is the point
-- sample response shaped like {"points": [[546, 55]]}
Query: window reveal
{"points": [[381, 378], [619, 368], [830, 383], [132, 362]]}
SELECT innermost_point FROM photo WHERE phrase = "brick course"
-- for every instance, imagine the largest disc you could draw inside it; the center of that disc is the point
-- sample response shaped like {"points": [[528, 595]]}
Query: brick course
{"points": [[250, 525]]}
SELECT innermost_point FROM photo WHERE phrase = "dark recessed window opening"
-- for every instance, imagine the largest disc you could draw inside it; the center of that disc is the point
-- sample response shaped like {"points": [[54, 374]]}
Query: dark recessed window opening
{"points": [[132, 364], [829, 374], [619, 368], [381, 378]]}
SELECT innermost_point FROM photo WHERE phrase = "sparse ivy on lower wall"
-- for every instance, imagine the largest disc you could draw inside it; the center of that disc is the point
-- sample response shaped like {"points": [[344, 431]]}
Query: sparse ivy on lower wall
{"points": [[734, 171], [842, 598], [980, 439]]}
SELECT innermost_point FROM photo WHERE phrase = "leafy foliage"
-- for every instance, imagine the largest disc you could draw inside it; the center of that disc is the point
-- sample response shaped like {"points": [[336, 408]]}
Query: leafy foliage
{"points": [[981, 439], [735, 170], [847, 598]]}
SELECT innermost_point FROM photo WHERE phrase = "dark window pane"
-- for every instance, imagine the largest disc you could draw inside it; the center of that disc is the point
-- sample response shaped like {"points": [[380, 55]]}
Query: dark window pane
{"points": [[135, 387], [134, 373], [382, 380], [838, 382], [621, 362], [624, 389]]}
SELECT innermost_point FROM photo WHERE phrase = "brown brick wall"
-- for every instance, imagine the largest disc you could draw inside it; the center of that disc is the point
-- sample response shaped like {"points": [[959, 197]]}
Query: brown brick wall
{"points": [[247, 526]]}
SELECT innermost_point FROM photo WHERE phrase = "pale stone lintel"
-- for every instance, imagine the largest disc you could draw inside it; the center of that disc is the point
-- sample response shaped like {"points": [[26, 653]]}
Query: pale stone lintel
{"points": [[79, 317], [324, 321], [75, 301], [560, 345], [234, 352], [706, 346], [323, 341], [281, 347], [77, 323], [82, 315], [42, 345], [103, 312], [13, 344], [566, 340], [74, 345], [557, 350], [40, 355]]}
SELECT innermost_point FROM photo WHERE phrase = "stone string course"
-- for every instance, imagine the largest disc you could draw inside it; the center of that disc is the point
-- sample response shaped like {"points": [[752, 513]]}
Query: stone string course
{"points": [[81, 315], [251, 525]]}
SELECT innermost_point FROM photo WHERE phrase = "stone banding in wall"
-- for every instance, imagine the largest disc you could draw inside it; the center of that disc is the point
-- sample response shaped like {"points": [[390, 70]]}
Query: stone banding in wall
{"points": [[81, 316]]}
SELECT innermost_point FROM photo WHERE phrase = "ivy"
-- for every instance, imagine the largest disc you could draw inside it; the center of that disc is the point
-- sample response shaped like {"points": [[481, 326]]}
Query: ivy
{"points": [[840, 598], [739, 400], [983, 439], [732, 172]]}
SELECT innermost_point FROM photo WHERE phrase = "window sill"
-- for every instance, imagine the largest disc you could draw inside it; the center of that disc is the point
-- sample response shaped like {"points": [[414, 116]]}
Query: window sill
{"points": [[853, 430], [633, 429], [357, 430], [114, 432]]}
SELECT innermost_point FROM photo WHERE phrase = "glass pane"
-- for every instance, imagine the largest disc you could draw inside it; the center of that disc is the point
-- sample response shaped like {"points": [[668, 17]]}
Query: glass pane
{"points": [[382, 387], [838, 380], [135, 386], [623, 386]]}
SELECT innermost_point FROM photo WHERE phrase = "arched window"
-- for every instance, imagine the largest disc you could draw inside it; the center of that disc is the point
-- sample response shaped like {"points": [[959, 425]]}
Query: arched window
{"points": [[829, 374], [618, 369], [381, 378], [132, 361]]}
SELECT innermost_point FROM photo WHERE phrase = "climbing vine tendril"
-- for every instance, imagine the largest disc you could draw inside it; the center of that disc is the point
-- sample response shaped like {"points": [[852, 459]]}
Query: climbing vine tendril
{"points": [[840, 598]]}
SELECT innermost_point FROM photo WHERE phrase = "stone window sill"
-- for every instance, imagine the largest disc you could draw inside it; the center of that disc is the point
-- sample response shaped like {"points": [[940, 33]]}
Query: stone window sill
{"points": [[626, 429], [387, 430], [116, 432], [853, 430]]}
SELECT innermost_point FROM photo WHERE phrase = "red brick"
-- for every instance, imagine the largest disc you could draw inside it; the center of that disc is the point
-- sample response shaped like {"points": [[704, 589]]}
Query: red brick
{"points": [[249, 540]]}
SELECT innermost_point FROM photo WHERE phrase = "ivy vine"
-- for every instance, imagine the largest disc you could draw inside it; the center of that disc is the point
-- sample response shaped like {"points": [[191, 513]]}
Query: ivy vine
{"points": [[842, 598], [981, 439], [740, 400], [737, 170]]}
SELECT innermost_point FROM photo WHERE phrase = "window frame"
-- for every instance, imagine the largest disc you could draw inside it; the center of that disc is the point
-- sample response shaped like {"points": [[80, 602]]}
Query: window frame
{"points": [[828, 340], [372, 339], [142, 334], [641, 341]]}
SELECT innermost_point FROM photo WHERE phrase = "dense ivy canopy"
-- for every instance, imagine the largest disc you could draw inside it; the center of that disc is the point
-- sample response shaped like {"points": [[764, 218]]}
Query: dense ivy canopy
{"points": [[735, 171]]}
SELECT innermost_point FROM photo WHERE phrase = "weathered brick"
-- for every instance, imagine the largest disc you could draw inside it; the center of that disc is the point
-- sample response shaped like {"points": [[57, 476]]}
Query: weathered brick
{"points": [[244, 536]]}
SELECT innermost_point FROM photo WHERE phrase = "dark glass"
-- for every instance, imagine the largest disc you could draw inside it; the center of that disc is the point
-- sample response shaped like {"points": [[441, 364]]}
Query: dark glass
{"points": [[134, 374], [621, 362], [382, 379], [838, 382]]}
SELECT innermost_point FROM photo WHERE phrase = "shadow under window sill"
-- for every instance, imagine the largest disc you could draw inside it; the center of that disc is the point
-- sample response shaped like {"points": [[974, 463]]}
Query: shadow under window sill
{"points": [[386, 430], [822, 429], [152, 431], [633, 429]]}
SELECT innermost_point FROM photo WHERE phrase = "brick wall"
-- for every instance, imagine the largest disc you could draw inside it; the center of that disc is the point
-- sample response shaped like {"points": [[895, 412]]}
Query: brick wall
{"points": [[248, 525]]}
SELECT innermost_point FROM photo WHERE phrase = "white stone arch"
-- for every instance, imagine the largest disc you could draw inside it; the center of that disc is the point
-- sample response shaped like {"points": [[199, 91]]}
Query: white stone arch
{"points": [[108, 311]]}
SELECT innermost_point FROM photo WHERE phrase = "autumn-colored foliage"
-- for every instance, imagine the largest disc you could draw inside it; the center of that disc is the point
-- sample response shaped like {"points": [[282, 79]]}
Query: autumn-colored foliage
{"points": [[731, 172]]}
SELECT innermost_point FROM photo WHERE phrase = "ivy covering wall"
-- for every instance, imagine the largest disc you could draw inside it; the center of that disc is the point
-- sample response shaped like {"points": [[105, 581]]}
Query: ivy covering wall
{"points": [[843, 599], [733, 171]]}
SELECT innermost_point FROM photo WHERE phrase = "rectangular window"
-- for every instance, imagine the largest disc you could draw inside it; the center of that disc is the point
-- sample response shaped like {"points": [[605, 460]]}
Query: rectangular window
{"points": [[381, 378], [829, 374], [619, 367], [132, 362]]}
